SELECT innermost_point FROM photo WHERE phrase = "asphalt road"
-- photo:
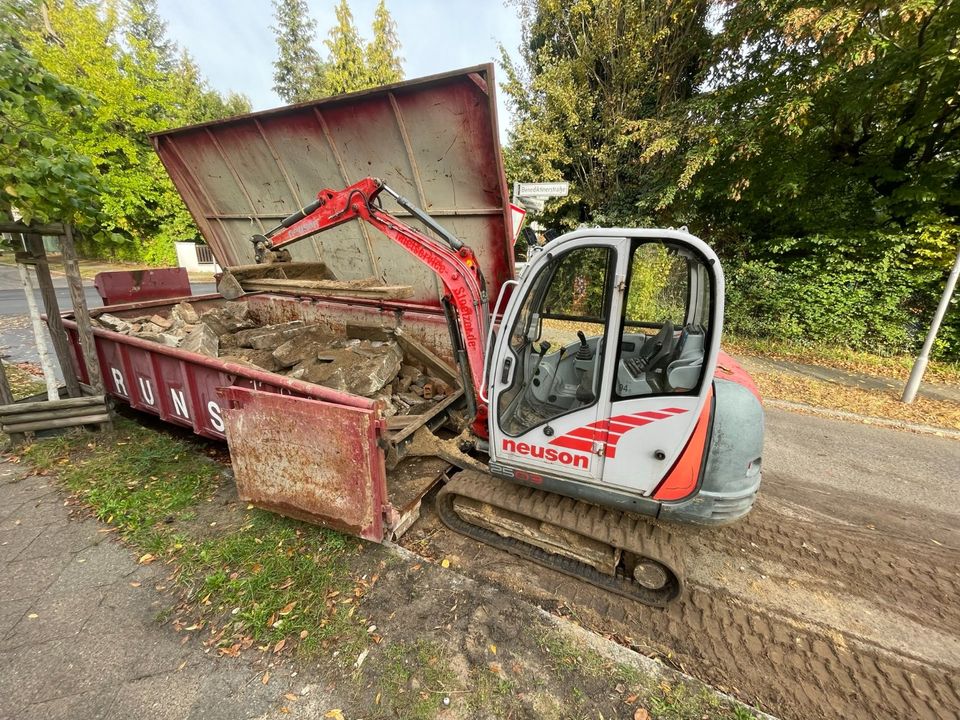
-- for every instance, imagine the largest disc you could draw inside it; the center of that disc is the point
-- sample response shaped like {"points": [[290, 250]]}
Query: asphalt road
{"points": [[893, 479]]}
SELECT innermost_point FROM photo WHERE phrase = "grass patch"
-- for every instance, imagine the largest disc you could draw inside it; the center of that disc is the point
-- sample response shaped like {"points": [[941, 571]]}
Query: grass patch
{"points": [[257, 579], [663, 700], [135, 479], [275, 579], [889, 366], [23, 383], [413, 680]]}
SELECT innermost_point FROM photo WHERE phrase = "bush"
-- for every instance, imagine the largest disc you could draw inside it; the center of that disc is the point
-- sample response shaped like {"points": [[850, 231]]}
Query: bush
{"points": [[826, 294]]}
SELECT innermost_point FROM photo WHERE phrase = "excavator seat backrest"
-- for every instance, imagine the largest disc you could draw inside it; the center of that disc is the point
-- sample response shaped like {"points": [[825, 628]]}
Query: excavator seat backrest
{"points": [[683, 370]]}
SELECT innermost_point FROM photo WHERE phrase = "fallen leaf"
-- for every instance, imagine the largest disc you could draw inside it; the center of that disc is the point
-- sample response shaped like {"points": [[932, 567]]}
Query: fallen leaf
{"points": [[361, 658], [493, 648], [291, 697], [266, 677], [303, 634], [279, 646], [445, 563], [288, 608], [495, 668], [33, 616], [641, 714], [134, 584], [415, 567], [336, 714], [631, 699], [146, 559]]}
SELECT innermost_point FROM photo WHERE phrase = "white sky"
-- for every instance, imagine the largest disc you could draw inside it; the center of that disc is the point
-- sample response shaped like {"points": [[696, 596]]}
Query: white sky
{"points": [[235, 48]]}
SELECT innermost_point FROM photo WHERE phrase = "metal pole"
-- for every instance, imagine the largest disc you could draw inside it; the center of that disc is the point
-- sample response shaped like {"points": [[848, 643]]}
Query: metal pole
{"points": [[916, 375], [45, 364]]}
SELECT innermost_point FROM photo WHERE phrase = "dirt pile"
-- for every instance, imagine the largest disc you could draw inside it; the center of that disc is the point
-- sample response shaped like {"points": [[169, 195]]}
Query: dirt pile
{"points": [[376, 369]]}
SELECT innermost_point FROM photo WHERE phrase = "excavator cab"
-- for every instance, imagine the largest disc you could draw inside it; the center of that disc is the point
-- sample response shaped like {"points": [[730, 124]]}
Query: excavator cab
{"points": [[601, 374]]}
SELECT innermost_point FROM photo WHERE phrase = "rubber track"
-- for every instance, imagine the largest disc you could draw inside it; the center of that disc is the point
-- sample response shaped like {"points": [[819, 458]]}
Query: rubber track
{"points": [[619, 529]]}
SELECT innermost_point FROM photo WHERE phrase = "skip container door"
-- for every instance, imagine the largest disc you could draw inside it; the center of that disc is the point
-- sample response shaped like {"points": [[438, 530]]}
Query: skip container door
{"points": [[308, 459]]}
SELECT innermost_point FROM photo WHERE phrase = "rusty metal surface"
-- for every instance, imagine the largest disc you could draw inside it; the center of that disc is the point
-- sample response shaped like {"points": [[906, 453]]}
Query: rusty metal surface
{"points": [[308, 459], [124, 286], [183, 388], [434, 140]]}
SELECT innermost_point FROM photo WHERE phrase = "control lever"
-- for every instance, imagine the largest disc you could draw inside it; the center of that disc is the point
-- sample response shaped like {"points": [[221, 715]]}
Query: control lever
{"points": [[584, 353], [544, 348], [585, 394]]}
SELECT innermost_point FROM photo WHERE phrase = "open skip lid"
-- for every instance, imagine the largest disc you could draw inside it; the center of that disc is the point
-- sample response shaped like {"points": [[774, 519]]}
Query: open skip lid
{"points": [[434, 140]]}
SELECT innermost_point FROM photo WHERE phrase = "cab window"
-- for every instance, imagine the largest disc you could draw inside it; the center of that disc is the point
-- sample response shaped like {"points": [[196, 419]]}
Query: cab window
{"points": [[665, 321], [557, 340]]}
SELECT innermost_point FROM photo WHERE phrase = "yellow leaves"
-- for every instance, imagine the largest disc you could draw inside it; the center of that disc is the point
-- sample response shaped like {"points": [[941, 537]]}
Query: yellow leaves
{"points": [[445, 563], [335, 714], [288, 608], [146, 559]]}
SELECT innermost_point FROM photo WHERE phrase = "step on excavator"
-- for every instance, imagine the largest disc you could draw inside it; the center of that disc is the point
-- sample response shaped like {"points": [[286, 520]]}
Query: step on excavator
{"points": [[600, 407]]}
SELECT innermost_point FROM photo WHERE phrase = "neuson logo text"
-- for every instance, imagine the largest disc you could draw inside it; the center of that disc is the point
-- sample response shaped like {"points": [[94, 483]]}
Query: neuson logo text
{"points": [[548, 454]]}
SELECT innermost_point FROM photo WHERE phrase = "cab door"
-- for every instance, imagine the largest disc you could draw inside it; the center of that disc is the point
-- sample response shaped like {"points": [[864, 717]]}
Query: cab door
{"points": [[668, 337], [549, 380]]}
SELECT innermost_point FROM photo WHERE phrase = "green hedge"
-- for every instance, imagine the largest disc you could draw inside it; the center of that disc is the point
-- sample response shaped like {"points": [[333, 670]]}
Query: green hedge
{"points": [[877, 307]]}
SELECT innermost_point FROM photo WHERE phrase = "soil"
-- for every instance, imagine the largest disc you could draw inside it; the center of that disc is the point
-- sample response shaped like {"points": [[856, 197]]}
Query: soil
{"points": [[804, 609]]}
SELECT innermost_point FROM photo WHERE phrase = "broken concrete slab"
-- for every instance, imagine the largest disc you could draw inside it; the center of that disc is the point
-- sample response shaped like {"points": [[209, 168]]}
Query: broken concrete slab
{"points": [[202, 339], [262, 359], [268, 336], [228, 318], [186, 312], [112, 322], [374, 366], [308, 343]]}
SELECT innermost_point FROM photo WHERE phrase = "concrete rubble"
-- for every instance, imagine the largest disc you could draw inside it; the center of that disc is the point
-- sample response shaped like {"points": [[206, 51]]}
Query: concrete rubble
{"points": [[374, 367]]}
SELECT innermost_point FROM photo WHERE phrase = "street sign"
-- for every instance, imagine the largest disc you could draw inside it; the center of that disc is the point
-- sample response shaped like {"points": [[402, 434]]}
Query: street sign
{"points": [[541, 190], [516, 218]]}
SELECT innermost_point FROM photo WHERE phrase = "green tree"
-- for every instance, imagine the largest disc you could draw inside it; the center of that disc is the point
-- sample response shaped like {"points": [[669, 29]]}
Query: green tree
{"points": [[42, 176], [129, 95], [588, 70], [347, 69], [818, 115], [384, 65], [146, 29], [298, 72]]}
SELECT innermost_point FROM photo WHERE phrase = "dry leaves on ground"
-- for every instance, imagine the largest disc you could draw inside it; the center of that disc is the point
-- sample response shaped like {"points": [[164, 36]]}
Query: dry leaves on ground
{"points": [[875, 403]]}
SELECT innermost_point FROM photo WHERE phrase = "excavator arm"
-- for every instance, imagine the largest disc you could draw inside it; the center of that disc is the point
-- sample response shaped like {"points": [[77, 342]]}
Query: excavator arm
{"points": [[465, 295]]}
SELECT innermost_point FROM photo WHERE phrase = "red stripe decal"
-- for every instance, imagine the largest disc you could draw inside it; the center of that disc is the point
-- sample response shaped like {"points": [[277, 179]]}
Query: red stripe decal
{"points": [[573, 443], [610, 451], [653, 415], [630, 420], [588, 433], [674, 410]]}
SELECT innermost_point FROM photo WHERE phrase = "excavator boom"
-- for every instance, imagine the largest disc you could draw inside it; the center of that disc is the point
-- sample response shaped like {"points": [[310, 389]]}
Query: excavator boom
{"points": [[453, 262]]}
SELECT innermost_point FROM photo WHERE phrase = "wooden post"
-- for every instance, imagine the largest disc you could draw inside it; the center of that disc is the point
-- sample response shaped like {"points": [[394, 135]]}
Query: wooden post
{"points": [[6, 398], [71, 266], [49, 376], [57, 333]]}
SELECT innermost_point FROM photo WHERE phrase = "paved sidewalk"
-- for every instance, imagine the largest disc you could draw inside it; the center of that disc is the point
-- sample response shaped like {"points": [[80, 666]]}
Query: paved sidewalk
{"points": [[79, 630]]}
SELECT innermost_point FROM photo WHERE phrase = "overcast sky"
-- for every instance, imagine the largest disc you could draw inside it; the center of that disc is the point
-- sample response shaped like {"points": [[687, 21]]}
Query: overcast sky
{"points": [[234, 46]]}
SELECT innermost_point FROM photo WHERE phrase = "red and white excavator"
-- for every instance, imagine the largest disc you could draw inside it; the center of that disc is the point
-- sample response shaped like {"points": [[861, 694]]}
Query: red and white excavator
{"points": [[599, 400]]}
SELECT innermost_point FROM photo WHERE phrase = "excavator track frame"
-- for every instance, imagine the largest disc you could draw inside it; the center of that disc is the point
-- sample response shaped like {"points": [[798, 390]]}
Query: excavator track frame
{"points": [[622, 530]]}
